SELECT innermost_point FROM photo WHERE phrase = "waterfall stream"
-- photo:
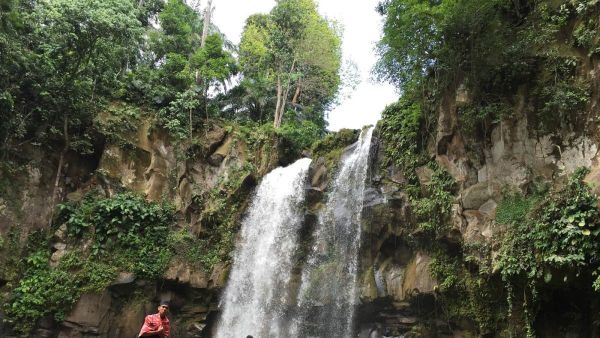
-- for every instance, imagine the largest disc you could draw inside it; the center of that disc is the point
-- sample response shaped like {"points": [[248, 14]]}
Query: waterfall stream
{"points": [[260, 299], [257, 293], [329, 291]]}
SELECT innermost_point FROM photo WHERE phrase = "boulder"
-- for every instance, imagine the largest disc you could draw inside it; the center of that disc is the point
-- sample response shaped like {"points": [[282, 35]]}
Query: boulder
{"points": [[217, 157], [368, 286], [318, 175], [476, 195], [124, 283], [393, 277], [198, 279], [579, 155], [60, 235], [218, 277], [214, 139], [424, 175], [178, 273], [395, 175], [89, 316], [475, 225], [489, 209], [313, 196], [60, 249], [417, 278]]}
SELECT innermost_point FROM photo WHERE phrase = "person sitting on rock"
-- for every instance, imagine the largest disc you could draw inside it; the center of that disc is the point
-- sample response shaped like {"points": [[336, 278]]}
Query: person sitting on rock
{"points": [[157, 325]]}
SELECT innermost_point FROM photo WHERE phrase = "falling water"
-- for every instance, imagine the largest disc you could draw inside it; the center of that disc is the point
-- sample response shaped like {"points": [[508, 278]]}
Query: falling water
{"points": [[257, 293], [329, 294]]}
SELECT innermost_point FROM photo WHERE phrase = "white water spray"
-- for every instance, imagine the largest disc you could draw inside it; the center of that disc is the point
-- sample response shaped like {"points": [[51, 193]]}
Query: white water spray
{"points": [[257, 293], [329, 292]]}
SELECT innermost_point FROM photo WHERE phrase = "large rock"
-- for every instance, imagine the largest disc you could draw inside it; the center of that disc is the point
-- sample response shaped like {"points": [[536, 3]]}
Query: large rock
{"points": [[161, 163], [182, 273], [579, 154], [124, 283], [88, 317], [475, 224], [476, 195], [130, 318], [318, 174], [217, 157], [59, 250], [213, 139], [218, 277], [177, 272], [418, 279], [394, 282], [424, 174]]}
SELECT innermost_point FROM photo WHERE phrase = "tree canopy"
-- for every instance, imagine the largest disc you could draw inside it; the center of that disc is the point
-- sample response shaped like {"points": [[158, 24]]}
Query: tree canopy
{"points": [[294, 53], [64, 61]]}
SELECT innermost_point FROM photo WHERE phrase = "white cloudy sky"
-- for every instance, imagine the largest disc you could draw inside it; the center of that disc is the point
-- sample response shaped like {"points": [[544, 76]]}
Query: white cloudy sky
{"points": [[362, 28]]}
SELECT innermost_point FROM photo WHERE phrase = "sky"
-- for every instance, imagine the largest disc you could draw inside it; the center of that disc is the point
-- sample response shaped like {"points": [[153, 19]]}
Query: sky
{"points": [[362, 29]]}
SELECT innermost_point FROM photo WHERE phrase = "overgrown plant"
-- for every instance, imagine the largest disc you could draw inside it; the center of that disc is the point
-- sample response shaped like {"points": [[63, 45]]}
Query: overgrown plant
{"points": [[557, 242], [125, 232]]}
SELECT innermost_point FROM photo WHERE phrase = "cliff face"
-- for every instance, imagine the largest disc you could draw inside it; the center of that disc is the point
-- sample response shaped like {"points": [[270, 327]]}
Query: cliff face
{"points": [[207, 184], [455, 282]]}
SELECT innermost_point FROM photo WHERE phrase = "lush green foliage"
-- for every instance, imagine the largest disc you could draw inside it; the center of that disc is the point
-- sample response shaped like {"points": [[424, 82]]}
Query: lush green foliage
{"points": [[515, 207], [556, 243], [125, 232], [493, 60], [62, 61], [119, 123], [125, 221], [221, 207], [468, 294], [57, 67], [294, 53], [401, 128], [432, 203], [332, 146], [404, 134], [561, 235], [495, 49]]}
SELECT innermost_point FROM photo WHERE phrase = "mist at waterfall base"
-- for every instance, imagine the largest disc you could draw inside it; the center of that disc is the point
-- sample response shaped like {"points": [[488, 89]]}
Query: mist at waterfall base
{"points": [[261, 299]]}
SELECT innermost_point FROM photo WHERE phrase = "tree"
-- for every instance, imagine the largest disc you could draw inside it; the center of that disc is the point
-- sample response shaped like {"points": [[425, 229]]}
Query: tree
{"points": [[291, 44], [80, 50], [213, 65]]}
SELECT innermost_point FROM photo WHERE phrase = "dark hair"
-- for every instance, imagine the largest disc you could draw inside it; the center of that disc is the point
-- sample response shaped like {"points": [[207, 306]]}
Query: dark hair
{"points": [[249, 336]]}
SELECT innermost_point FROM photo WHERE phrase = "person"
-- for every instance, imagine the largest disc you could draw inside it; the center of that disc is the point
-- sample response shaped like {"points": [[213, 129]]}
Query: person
{"points": [[157, 325]]}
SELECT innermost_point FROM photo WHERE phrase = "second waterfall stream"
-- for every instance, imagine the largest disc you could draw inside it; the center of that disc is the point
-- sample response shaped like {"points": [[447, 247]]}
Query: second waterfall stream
{"points": [[260, 298]]}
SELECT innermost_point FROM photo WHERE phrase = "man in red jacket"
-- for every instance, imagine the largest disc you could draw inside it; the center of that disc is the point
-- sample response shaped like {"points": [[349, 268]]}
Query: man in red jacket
{"points": [[157, 325]]}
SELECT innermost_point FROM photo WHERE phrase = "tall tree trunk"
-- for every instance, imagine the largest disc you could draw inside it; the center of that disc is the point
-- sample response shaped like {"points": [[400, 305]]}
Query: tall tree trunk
{"points": [[286, 93], [204, 84], [278, 104], [191, 128], [207, 15], [61, 161], [297, 93], [282, 96], [283, 102]]}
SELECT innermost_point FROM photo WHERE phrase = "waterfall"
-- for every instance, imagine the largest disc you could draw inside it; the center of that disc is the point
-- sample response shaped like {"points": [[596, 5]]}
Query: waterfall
{"points": [[329, 292], [257, 293]]}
